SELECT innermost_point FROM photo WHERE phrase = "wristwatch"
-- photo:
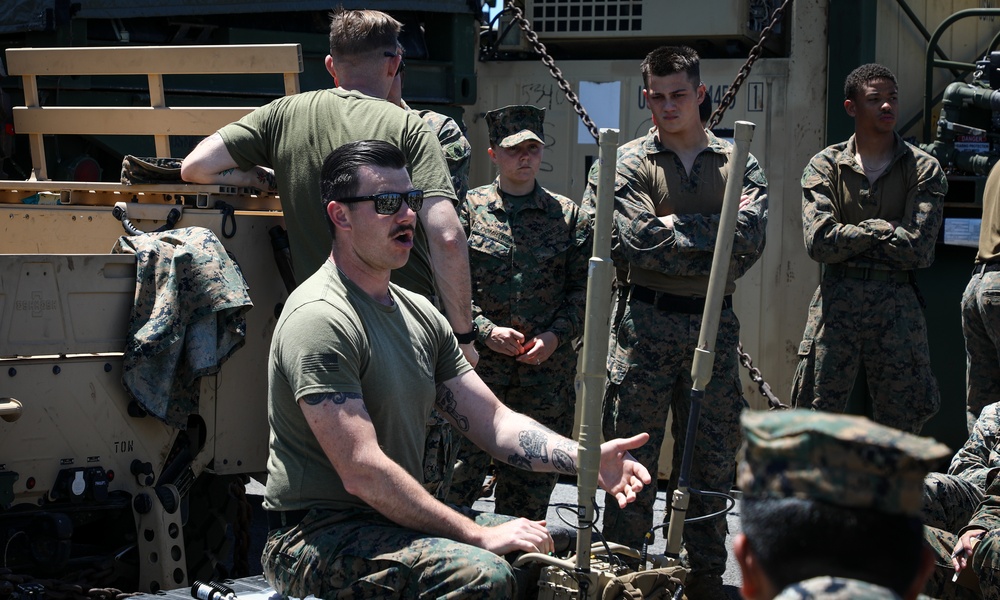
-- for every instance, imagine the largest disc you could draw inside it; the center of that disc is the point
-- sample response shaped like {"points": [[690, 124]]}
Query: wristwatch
{"points": [[468, 338]]}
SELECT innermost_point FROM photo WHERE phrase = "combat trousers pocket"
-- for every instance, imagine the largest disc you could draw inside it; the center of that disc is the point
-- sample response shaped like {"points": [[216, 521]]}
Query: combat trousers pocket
{"points": [[803, 383]]}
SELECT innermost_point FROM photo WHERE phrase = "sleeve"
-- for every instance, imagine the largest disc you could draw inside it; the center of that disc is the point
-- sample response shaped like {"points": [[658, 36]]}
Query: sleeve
{"points": [[973, 462], [568, 321], [458, 155], [988, 514], [249, 139], [686, 248], [483, 324], [911, 245], [320, 350], [428, 167], [827, 239]]}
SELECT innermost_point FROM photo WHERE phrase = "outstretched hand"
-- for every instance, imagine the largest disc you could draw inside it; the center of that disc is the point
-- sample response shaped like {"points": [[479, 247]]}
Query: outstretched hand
{"points": [[621, 475]]}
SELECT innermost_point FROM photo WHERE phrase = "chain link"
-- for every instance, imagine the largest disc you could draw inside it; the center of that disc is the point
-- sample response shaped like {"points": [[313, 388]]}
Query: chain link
{"points": [[755, 375], [730, 96], [553, 69]]}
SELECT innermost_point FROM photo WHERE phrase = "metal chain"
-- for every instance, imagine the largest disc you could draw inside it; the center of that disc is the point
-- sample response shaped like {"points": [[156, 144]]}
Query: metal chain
{"points": [[730, 96], [755, 375], [553, 69]]}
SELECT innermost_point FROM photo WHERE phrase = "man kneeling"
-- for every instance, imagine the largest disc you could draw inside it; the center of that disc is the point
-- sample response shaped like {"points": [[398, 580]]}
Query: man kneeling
{"points": [[356, 364]]}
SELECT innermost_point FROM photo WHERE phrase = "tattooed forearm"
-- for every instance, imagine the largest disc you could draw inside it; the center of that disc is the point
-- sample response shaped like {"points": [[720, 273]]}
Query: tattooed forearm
{"points": [[227, 171], [564, 458], [335, 398], [446, 403], [266, 177], [534, 443]]}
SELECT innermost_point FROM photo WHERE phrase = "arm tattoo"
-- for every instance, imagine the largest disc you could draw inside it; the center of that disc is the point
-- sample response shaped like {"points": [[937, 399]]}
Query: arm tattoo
{"points": [[534, 443], [447, 404], [564, 458], [227, 171], [334, 397]]}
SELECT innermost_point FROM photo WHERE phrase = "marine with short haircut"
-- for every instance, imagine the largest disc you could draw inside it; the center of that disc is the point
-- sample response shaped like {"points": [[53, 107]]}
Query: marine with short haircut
{"points": [[871, 211], [831, 508], [669, 188], [292, 135]]}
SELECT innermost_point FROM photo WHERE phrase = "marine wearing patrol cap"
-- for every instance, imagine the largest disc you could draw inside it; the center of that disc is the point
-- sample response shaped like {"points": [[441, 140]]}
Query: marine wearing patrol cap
{"points": [[511, 125], [842, 460]]}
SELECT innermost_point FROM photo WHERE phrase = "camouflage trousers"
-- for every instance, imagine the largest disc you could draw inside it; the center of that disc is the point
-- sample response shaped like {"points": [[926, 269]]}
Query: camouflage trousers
{"points": [[518, 492], [440, 453], [949, 501], [360, 554], [649, 377], [878, 324], [981, 326], [985, 564]]}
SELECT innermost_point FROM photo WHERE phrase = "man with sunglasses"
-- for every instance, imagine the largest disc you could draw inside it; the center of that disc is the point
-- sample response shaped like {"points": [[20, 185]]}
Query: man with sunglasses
{"points": [[356, 364], [292, 135]]}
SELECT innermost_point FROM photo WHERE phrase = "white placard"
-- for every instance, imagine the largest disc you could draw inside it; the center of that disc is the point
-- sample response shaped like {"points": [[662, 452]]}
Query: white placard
{"points": [[603, 103]]}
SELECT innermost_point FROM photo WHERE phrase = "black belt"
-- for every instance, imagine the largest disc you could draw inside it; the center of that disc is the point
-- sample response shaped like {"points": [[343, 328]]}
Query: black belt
{"points": [[985, 268], [869, 274], [277, 519], [671, 303]]}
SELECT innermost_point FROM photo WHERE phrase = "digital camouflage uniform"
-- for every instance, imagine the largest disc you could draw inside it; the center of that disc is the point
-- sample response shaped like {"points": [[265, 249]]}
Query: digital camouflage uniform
{"points": [[841, 460], [985, 561], [442, 448], [867, 309], [529, 272], [188, 317], [649, 362], [981, 308], [836, 588], [950, 499]]}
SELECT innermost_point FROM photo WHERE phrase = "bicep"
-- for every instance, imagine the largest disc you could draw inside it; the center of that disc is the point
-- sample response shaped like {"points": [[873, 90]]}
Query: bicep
{"points": [[341, 424]]}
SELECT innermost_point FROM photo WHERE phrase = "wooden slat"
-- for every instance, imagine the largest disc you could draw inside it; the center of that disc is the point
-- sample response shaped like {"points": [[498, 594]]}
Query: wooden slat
{"points": [[165, 60], [124, 120]]}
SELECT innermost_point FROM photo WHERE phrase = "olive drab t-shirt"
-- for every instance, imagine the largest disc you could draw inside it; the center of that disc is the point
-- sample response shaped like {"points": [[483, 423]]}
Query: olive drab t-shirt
{"points": [[333, 337], [293, 135], [989, 232]]}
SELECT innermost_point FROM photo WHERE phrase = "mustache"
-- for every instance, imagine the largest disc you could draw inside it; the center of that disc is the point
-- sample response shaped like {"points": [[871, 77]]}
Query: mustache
{"points": [[400, 229]]}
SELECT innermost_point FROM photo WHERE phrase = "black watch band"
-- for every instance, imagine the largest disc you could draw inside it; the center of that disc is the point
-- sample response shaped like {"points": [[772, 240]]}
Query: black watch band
{"points": [[468, 338]]}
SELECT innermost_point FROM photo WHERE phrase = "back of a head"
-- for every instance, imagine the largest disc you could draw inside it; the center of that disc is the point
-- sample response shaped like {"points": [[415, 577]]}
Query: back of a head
{"points": [[360, 32], [667, 60], [796, 539], [862, 75], [824, 492]]}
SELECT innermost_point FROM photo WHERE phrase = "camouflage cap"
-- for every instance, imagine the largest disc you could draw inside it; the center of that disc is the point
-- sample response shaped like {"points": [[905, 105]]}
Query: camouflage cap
{"points": [[511, 125], [843, 460]]}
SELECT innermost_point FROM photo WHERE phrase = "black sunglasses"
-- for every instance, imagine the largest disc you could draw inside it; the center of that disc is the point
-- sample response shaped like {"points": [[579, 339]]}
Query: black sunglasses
{"points": [[402, 64], [389, 203]]}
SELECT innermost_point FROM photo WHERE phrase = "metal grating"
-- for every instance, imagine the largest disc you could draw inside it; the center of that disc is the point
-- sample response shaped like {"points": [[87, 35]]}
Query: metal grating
{"points": [[586, 16]]}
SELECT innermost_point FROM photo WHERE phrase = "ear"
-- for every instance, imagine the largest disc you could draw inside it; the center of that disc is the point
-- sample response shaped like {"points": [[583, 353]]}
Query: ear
{"points": [[755, 583], [924, 573], [700, 93], [493, 155], [329, 68], [851, 109], [339, 215]]}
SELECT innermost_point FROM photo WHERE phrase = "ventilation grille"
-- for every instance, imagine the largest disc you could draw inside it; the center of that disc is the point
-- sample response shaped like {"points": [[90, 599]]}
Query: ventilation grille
{"points": [[586, 16]]}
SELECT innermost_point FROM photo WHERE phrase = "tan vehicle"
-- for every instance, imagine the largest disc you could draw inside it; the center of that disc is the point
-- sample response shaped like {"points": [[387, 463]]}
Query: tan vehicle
{"points": [[90, 482]]}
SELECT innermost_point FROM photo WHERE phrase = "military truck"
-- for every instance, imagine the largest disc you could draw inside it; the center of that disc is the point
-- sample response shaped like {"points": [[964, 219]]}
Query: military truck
{"points": [[89, 484]]}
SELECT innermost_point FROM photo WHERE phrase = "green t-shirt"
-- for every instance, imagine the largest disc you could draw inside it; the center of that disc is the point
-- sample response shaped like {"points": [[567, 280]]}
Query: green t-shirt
{"points": [[333, 337], [293, 135]]}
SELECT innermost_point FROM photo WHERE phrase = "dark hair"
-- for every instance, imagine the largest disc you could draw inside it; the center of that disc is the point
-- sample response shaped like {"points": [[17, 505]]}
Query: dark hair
{"points": [[862, 76], [354, 32], [795, 539], [667, 60], [340, 176]]}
